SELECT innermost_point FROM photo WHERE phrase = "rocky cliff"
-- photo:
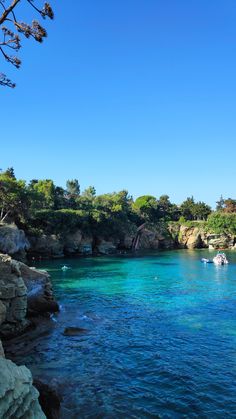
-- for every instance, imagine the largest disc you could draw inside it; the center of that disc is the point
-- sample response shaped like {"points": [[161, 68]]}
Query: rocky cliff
{"points": [[18, 397], [76, 243], [13, 241], [159, 236], [24, 292], [197, 237]]}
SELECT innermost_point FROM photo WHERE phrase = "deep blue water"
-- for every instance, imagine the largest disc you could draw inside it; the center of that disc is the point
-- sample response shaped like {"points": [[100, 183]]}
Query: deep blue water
{"points": [[160, 340]]}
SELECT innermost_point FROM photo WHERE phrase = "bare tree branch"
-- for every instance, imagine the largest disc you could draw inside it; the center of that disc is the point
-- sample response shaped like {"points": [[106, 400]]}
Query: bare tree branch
{"points": [[11, 39]]}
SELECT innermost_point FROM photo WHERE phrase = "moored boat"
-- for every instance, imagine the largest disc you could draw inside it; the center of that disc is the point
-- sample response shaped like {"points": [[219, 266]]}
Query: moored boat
{"points": [[220, 259]]}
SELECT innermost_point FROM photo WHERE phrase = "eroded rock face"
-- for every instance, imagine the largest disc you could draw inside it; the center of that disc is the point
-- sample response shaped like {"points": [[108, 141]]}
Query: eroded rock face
{"points": [[13, 241], [13, 298], [18, 397], [39, 291], [23, 291], [72, 242], [106, 247], [155, 237], [2, 355], [217, 241], [47, 246], [86, 246], [192, 237]]}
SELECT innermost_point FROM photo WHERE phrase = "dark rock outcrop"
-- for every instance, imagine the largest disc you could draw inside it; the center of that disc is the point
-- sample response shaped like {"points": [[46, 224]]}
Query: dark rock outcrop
{"points": [[74, 331], [49, 400], [49, 246]]}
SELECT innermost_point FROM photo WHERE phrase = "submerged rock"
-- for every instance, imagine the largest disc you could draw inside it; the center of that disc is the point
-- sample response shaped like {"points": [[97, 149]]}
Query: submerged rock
{"points": [[74, 331]]}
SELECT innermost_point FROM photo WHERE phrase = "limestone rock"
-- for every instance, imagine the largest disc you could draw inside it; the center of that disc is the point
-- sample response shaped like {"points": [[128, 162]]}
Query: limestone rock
{"points": [[22, 290], [217, 241], [72, 242], [2, 312], [2, 355], [13, 298], [106, 247], [39, 290], [155, 237], [18, 397], [128, 241], [86, 246], [46, 245], [13, 241]]}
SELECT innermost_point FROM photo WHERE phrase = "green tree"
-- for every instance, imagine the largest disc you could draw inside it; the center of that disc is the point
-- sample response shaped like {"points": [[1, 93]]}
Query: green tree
{"points": [[73, 187], [187, 208], [220, 204], [13, 198], [42, 193], [220, 222], [90, 192], [11, 27], [147, 207], [168, 211], [201, 211]]}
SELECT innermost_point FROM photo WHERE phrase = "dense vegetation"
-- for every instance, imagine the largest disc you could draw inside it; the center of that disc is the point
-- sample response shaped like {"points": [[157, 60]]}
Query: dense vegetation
{"points": [[41, 206]]}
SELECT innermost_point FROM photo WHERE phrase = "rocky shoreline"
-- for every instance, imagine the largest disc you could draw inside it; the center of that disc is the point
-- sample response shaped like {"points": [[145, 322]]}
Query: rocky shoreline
{"points": [[25, 295], [160, 236]]}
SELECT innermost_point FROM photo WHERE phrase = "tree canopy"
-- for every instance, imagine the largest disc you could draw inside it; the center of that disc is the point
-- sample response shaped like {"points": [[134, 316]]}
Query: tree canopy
{"points": [[41, 204]]}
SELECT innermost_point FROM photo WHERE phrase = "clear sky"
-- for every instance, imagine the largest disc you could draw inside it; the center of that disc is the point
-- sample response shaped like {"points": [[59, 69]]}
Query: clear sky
{"points": [[128, 94]]}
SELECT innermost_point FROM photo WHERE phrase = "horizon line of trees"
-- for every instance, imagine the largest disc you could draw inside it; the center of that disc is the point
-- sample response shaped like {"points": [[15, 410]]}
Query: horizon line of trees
{"points": [[42, 205]]}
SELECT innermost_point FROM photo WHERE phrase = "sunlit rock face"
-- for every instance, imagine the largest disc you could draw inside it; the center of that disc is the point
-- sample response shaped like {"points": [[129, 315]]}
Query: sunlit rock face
{"points": [[13, 297], [13, 241], [24, 291]]}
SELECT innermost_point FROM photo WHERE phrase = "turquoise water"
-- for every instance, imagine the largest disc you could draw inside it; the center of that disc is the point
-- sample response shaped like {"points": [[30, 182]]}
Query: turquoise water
{"points": [[160, 340]]}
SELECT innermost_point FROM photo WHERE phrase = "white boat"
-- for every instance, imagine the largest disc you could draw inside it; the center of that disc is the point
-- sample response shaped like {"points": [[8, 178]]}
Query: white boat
{"points": [[220, 259]]}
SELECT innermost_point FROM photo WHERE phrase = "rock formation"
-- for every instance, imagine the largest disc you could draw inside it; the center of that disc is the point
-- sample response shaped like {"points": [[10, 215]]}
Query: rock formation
{"points": [[24, 292], [13, 241], [18, 396]]}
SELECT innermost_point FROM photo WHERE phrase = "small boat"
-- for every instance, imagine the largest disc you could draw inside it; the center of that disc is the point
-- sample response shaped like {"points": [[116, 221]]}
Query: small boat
{"points": [[204, 260], [220, 259]]}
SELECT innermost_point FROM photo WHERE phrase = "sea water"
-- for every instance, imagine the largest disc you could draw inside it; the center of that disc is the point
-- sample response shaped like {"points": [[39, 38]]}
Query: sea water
{"points": [[160, 338]]}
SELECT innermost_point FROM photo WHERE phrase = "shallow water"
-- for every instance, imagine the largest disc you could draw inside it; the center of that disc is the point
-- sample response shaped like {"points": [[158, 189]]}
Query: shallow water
{"points": [[160, 340]]}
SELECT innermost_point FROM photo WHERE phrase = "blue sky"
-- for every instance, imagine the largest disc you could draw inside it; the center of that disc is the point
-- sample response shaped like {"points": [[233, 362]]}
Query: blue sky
{"points": [[128, 94]]}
